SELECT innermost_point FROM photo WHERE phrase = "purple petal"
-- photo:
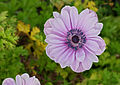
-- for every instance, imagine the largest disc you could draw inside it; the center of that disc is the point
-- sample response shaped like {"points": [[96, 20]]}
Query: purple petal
{"points": [[66, 8], [66, 19], [19, 80], [32, 81], [47, 26], [55, 39], [89, 23], [59, 25], [53, 50], [100, 42], [81, 17], [87, 19], [71, 59], [64, 58], [74, 17], [74, 66], [93, 47], [95, 30], [25, 76], [56, 14], [91, 56], [87, 63], [80, 68], [8, 81], [80, 55], [36, 82]]}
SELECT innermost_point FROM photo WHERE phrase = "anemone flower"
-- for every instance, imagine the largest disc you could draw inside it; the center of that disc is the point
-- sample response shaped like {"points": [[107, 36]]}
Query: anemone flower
{"points": [[73, 39], [22, 80]]}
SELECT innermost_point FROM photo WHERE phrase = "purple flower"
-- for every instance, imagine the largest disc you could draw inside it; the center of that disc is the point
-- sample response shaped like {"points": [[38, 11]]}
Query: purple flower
{"points": [[73, 38], [22, 80]]}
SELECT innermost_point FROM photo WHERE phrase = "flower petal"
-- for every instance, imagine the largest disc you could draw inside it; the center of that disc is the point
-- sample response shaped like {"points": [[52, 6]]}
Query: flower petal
{"points": [[92, 57], [66, 19], [80, 68], [25, 76], [53, 50], [81, 17], [95, 30], [74, 66], [100, 42], [66, 8], [93, 47], [74, 17], [19, 80], [64, 58], [87, 63], [55, 39], [9, 81], [36, 82], [59, 25], [71, 58], [47, 26], [56, 14], [87, 19], [80, 55]]}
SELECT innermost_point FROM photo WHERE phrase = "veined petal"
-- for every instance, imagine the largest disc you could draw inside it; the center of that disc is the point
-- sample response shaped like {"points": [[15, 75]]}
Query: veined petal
{"points": [[87, 63], [47, 26], [55, 39], [71, 59], [74, 17], [66, 19], [59, 25], [64, 58], [19, 80], [87, 19], [8, 81], [36, 82], [80, 55], [80, 68], [53, 50], [56, 14], [93, 47], [81, 17], [74, 66], [89, 23], [25, 76], [91, 56], [95, 30], [66, 8], [100, 42]]}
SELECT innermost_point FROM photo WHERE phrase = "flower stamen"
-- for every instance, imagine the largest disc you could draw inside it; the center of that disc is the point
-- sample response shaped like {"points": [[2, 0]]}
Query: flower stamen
{"points": [[75, 39]]}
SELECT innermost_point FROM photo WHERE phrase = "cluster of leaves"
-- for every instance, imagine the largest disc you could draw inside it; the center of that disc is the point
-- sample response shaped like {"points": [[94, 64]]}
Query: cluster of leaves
{"points": [[33, 39], [9, 51], [28, 10]]}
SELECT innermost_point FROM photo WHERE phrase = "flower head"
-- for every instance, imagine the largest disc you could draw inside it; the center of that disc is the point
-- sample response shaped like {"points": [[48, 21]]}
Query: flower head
{"points": [[22, 80], [73, 38]]}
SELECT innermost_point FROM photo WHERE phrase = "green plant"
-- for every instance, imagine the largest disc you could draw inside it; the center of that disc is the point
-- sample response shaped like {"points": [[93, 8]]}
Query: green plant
{"points": [[10, 53]]}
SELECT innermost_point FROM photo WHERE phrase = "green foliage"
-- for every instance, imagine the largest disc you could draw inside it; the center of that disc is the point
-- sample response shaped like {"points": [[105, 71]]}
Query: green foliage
{"points": [[28, 10], [9, 51]]}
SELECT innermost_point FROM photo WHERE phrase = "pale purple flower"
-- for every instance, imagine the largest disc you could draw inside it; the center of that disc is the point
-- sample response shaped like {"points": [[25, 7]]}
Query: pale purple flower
{"points": [[73, 38], [22, 80]]}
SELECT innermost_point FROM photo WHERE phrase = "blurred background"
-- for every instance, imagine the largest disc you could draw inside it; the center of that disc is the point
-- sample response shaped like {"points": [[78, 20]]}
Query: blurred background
{"points": [[22, 46]]}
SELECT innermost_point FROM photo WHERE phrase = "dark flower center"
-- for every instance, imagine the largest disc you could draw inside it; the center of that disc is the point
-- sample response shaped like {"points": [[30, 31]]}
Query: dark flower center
{"points": [[75, 39]]}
